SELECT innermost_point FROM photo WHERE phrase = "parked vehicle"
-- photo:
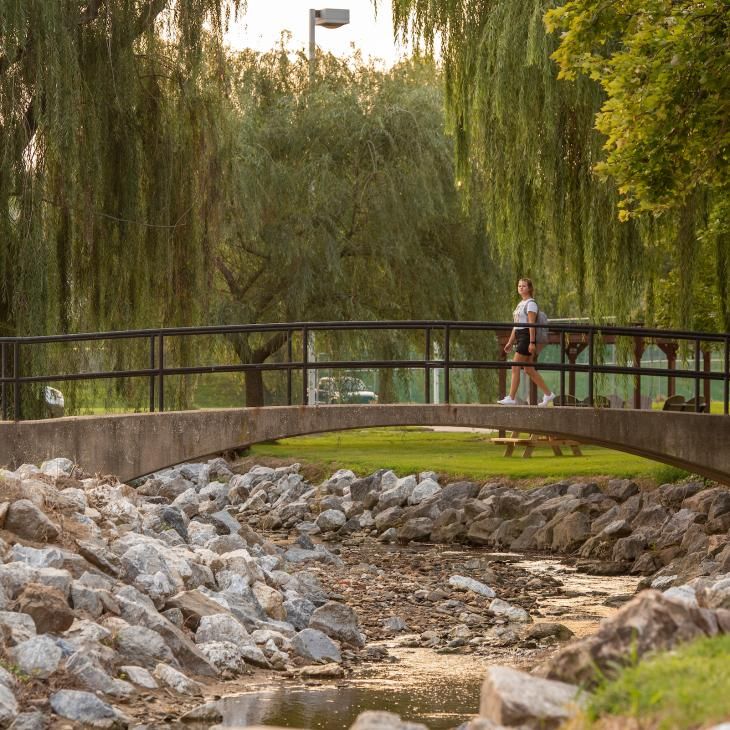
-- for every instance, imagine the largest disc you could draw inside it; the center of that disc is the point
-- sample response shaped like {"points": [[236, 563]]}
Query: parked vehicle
{"points": [[344, 389], [53, 402]]}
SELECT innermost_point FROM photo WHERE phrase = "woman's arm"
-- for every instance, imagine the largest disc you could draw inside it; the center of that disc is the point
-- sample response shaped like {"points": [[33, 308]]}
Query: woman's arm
{"points": [[510, 341], [532, 318]]}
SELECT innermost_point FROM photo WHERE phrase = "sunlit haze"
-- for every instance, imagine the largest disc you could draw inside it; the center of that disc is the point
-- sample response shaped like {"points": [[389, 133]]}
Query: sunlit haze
{"points": [[261, 26]]}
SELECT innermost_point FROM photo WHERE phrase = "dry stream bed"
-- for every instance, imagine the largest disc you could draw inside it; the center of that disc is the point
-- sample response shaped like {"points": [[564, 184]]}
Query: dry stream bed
{"points": [[436, 680]]}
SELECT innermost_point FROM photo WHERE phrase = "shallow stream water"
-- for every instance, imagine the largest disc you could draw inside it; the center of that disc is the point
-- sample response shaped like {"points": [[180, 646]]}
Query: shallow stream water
{"points": [[440, 690]]}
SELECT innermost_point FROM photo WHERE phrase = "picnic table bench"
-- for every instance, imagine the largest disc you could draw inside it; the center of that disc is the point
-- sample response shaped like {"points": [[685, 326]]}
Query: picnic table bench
{"points": [[534, 441]]}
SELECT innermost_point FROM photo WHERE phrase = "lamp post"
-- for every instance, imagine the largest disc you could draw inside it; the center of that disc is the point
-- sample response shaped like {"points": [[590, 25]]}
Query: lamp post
{"points": [[327, 18]]}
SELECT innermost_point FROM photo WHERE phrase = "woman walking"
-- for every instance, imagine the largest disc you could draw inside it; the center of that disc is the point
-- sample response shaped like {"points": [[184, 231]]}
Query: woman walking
{"points": [[526, 347]]}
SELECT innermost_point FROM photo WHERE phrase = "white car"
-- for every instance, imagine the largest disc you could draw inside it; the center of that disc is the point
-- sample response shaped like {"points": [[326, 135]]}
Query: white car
{"points": [[345, 389], [54, 402]]}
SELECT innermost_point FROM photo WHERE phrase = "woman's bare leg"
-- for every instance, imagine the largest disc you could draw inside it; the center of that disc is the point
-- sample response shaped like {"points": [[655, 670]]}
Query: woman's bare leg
{"points": [[514, 386], [537, 379]]}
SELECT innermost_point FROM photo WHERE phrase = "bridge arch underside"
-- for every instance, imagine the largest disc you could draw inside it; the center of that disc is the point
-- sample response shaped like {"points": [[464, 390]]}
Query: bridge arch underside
{"points": [[136, 444]]}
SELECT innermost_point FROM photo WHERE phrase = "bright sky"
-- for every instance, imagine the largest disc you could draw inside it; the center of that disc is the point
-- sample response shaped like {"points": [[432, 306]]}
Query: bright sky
{"points": [[263, 22]]}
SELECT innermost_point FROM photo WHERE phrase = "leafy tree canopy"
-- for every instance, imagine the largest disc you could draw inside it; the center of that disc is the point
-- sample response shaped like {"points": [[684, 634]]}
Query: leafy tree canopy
{"points": [[344, 205], [109, 127], [635, 124], [665, 68]]}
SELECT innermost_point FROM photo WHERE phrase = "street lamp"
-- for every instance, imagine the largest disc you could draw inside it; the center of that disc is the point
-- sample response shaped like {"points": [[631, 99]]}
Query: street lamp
{"points": [[327, 18]]}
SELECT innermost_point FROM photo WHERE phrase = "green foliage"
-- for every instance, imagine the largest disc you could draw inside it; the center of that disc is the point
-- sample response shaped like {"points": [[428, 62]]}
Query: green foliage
{"points": [[526, 148], [637, 119], [685, 688], [469, 455], [109, 181], [665, 68], [344, 205]]}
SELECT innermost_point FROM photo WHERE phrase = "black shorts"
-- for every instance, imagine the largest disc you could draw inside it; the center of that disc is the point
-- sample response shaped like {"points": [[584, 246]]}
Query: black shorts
{"points": [[522, 341]]}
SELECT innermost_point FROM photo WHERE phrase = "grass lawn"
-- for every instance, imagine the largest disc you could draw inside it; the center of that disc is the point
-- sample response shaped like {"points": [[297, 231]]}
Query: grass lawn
{"points": [[678, 690], [457, 454]]}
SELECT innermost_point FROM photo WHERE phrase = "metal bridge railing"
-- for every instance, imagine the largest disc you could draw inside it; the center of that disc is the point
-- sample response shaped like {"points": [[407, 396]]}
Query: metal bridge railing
{"points": [[571, 338]]}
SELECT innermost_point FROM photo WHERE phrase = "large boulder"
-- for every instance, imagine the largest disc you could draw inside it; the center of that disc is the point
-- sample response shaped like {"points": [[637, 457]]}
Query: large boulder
{"points": [[339, 622], [27, 520], [316, 646], [47, 607], [510, 697], [86, 708], [649, 622]]}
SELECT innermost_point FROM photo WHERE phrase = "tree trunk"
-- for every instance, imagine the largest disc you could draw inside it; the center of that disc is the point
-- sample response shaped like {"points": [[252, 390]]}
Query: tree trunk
{"points": [[254, 388]]}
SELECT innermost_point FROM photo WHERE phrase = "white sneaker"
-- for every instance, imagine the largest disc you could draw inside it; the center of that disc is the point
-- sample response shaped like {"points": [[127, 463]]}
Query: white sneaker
{"points": [[507, 401], [546, 400]]}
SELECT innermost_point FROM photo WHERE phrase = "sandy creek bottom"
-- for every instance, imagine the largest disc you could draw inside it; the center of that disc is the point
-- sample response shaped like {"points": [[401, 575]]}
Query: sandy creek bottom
{"points": [[437, 689]]}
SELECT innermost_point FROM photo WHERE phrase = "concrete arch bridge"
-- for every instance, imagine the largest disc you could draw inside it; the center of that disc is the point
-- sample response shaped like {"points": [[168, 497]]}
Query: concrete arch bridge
{"points": [[136, 444], [131, 445]]}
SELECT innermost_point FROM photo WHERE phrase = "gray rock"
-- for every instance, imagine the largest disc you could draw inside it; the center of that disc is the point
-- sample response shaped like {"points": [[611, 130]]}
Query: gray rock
{"points": [[389, 535], [20, 626], [339, 622], [30, 721], [316, 646], [225, 518], [621, 489], [221, 627], [330, 520], [570, 532], [418, 528], [649, 622], [8, 706], [207, 714], [226, 656], [57, 467], [299, 611], [170, 677], [86, 708], [512, 613], [395, 624], [510, 697], [28, 521], [138, 644], [463, 583], [377, 720], [45, 558], [139, 610], [94, 678], [139, 676], [38, 656]]}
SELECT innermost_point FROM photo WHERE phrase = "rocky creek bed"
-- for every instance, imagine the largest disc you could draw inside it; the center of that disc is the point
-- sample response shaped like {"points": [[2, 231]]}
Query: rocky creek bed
{"points": [[143, 605]]}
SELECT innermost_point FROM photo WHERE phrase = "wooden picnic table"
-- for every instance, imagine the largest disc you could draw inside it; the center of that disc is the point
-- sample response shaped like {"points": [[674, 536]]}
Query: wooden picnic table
{"points": [[533, 441]]}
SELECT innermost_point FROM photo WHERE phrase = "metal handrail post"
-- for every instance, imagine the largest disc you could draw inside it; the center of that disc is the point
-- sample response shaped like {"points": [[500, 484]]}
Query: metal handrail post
{"points": [[161, 373], [447, 358], [289, 357], [16, 379], [563, 340], [726, 394], [427, 372], [305, 369], [697, 377], [3, 385], [590, 366], [152, 376]]}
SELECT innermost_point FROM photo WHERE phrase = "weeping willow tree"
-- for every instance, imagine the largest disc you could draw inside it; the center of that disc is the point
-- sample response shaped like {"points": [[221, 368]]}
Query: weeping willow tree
{"points": [[532, 138], [346, 207], [109, 177], [110, 167]]}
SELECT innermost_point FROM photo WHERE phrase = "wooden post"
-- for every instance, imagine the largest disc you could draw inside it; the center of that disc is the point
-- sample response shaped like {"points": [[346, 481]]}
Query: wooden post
{"points": [[670, 350], [707, 367], [638, 352]]}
